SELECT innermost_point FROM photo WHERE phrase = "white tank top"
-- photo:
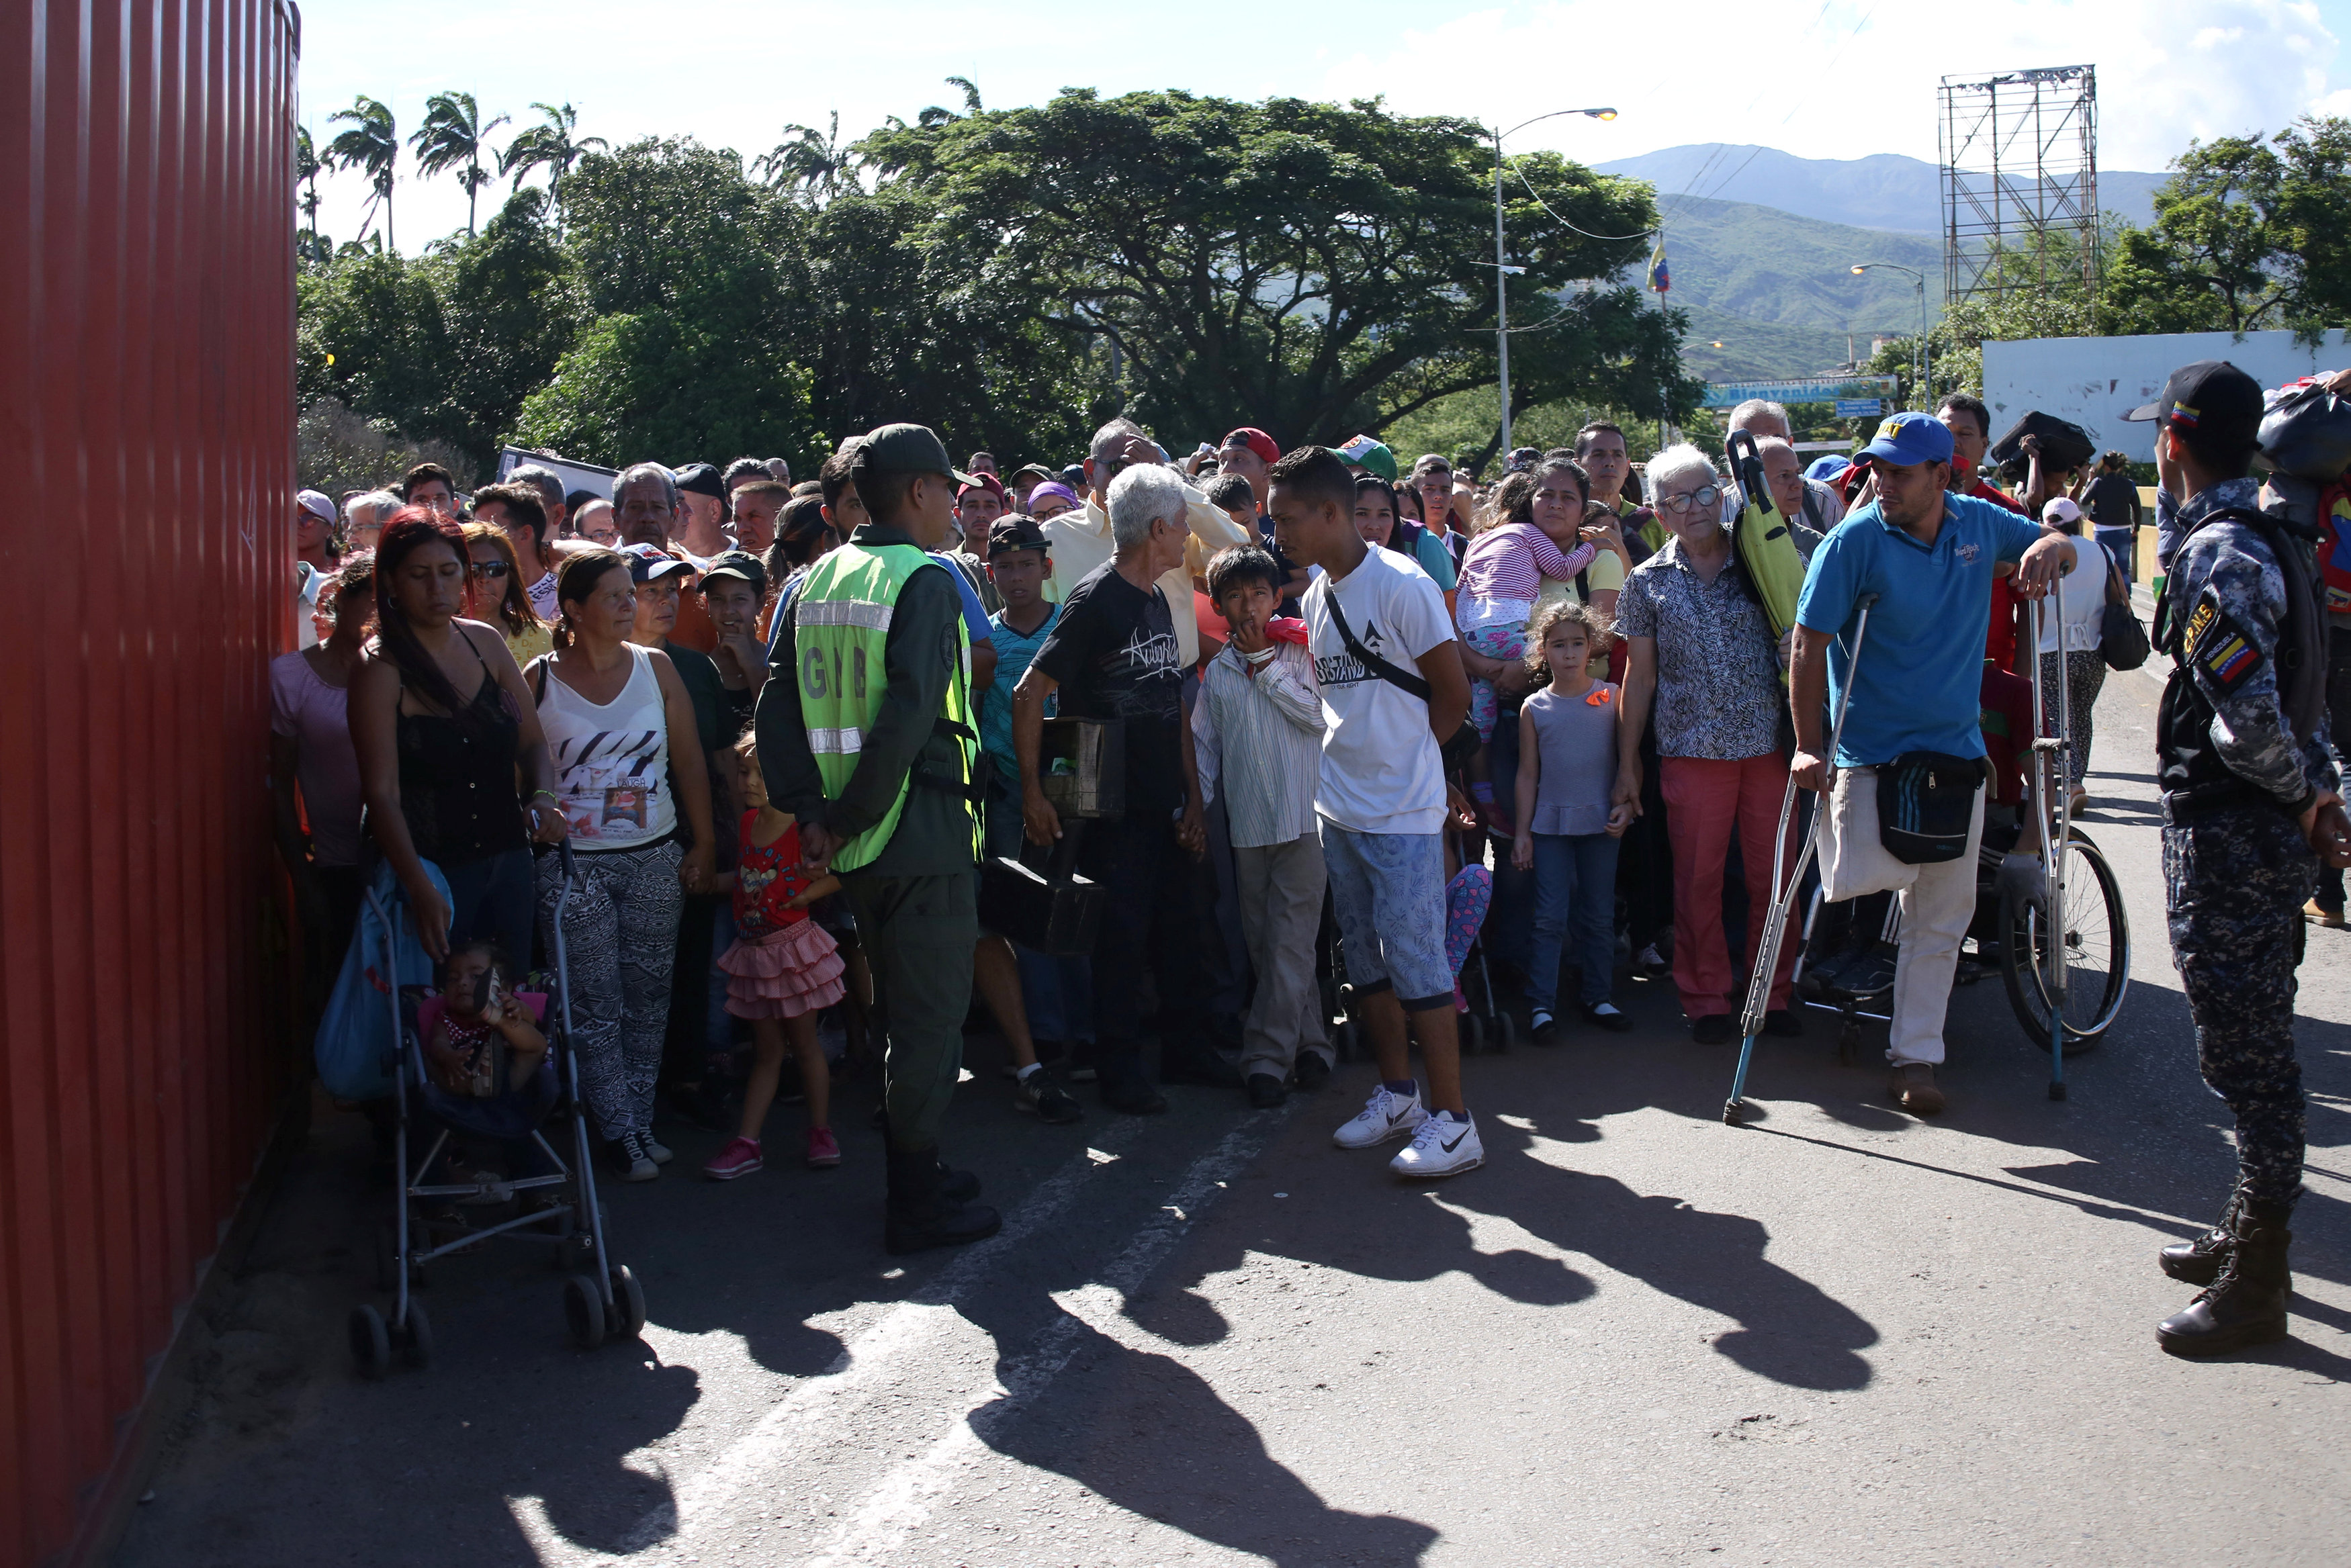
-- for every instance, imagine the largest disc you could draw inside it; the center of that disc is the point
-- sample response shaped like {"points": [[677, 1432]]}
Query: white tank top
{"points": [[611, 760]]}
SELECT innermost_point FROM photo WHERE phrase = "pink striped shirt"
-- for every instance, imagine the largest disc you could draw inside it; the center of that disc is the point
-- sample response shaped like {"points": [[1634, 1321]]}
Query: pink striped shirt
{"points": [[1511, 562]]}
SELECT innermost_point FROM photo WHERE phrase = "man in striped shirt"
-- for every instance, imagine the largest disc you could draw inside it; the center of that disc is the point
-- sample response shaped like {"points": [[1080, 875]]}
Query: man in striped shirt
{"points": [[1256, 736]]}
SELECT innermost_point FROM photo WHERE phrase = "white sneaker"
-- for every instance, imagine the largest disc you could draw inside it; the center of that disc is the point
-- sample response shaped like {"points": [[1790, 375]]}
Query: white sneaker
{"points": [[662, 1153], [1386, 1116], [1441, 1147]]}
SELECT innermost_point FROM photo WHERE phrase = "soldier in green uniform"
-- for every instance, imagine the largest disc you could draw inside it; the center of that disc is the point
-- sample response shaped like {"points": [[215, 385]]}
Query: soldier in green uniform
{"points": [[866, 737]]}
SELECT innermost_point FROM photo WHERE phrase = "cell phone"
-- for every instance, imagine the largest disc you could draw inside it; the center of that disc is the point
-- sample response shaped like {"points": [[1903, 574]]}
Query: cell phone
{"points": [[485, 990]]}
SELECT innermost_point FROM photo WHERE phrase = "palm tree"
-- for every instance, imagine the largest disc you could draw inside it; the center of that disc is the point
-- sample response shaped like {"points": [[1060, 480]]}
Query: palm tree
{"points": [[551, 144], [373, 147], [818, 164], [306, 176], [452, 136]]}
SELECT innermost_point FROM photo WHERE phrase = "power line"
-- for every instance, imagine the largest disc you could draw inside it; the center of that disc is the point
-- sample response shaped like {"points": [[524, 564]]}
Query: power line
{"points": [[1546, 206]]}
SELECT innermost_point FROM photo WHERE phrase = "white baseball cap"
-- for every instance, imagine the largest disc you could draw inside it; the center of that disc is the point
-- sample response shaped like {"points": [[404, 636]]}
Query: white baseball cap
{"points": [[2060, 511], [317, 506]]}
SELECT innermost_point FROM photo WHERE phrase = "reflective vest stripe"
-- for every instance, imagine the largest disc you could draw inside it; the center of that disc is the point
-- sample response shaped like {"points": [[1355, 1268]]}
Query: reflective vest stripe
{"points": [[860, 613], [836, 743]]}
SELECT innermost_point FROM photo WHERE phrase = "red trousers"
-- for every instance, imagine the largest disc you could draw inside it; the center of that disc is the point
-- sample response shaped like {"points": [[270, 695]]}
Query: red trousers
{"points": [[1704, 800]]}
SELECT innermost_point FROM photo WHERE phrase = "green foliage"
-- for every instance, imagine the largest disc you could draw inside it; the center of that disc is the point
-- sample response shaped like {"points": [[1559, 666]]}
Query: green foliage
{"points": [[1308, 266], [552, 145], [1463, 428], [372, 145], [2248, 233], [451, 139]]}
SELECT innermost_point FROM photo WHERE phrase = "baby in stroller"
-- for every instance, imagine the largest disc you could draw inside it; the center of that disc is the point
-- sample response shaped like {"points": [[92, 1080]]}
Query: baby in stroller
{"points": [[482, 1054]]}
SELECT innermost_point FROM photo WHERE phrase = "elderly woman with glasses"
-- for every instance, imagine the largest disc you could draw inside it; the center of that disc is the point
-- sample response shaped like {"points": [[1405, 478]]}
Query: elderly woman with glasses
{"points": [[1701, 656]]}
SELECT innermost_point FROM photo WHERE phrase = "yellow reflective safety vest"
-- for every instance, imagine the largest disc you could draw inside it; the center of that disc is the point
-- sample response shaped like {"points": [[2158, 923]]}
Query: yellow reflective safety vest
{"points": [[841, 626]]}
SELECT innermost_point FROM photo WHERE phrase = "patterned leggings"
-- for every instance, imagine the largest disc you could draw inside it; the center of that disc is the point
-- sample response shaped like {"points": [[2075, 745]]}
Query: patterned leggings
{"points": [[620, 938], [1508, 643], [2084, 675]]}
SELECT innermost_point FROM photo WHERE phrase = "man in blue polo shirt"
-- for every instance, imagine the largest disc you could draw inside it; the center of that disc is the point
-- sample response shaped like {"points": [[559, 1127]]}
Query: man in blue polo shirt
{"points": [[1930, 559]]}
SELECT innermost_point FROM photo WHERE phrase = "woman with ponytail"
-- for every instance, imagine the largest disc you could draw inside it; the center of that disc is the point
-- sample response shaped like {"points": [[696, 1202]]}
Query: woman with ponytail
{"points": [[441, 722]]}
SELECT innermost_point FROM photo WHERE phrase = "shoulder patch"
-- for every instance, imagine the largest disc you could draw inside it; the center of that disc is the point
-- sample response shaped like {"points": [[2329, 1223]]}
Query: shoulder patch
{"points": [[2219, 646]]}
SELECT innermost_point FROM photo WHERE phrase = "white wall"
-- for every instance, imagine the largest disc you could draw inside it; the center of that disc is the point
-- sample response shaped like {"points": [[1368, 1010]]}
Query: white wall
{"points": [[2094, 381]]}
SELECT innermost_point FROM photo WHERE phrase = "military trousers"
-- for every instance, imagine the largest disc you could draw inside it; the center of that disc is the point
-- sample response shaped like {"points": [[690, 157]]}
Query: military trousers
{"points": [[2234, 882], [918, 934]]}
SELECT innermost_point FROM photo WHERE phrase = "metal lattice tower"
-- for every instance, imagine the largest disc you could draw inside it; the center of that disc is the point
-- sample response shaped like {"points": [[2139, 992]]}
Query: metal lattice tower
{"points": [[2019, 158]]}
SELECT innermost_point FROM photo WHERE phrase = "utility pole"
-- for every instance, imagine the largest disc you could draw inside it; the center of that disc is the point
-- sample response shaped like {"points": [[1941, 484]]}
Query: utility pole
{"points": [[1502, 268]]}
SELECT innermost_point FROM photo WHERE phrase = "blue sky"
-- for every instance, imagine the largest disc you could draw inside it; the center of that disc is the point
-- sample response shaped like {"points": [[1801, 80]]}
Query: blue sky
{"points": [[1823, 78]]}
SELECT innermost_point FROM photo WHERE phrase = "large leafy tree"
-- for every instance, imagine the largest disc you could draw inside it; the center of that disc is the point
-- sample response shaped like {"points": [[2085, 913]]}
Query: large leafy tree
{"points": [[372, 145], [2249, 232], [680, 260], [1316, 269], [451, 139]]}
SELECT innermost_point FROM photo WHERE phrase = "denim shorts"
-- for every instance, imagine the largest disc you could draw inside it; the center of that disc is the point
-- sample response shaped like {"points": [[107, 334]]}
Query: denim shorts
{"points": [[1388, 892]]}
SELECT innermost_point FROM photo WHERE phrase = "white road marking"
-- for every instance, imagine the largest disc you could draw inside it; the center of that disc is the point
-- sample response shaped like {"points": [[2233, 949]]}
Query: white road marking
{"points": [[902, 1500], [865, 1367]]}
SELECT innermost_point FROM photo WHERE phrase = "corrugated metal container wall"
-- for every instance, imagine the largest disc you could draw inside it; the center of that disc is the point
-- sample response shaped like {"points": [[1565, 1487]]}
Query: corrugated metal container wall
{"points": [[146, 426]]}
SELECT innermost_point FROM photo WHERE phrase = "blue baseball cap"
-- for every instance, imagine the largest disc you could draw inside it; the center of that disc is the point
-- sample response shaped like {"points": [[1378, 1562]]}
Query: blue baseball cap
{"points": [[1828, 467], [1907, 439]]}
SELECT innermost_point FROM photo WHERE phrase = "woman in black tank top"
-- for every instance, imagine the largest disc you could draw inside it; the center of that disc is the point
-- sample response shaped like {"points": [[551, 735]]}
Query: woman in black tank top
{"points": [[441, 723]]}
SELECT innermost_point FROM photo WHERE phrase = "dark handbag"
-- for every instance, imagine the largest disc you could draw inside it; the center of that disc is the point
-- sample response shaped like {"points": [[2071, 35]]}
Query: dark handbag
{"points": [[2307, 433], [1925, 803], [2122, 641], [1464, 742], [1050, 909], [2063, 445]]}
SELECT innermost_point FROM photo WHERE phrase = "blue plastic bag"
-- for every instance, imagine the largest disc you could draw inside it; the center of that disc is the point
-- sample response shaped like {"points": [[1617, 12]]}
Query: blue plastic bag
{"points": [[359, 1036]]}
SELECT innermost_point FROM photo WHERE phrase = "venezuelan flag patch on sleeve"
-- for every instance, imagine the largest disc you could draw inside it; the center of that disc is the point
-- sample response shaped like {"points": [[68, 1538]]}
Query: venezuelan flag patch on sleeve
{"points": [[2217, 644]]}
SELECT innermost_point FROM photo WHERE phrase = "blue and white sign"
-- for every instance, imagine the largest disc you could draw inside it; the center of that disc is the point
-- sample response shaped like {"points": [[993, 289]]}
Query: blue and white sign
{"points": [[1808, 389], [1859, 408]]}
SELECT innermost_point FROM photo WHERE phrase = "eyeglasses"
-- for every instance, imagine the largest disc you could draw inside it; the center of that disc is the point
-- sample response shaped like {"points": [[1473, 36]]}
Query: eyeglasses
{"points": [[1704, 498], [490, 568]]}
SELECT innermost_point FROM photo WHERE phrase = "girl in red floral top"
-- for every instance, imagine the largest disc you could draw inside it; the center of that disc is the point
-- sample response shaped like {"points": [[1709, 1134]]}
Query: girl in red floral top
{"points": [[782, 970]]}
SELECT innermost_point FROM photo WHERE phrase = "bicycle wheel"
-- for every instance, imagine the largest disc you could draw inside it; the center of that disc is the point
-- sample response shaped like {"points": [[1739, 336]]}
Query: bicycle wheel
{"points": [[2097, 936]]}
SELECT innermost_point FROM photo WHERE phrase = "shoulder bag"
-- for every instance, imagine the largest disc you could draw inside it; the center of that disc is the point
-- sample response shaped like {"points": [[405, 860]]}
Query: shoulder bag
{"points": [[1464, 742]]}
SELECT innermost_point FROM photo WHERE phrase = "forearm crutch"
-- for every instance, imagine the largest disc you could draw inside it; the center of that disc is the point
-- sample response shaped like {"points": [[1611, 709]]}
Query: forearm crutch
{"points": [[2052, 768], [1784, 896]]}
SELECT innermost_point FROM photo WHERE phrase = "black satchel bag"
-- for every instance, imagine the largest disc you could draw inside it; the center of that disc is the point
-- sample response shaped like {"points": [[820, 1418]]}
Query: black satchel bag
{"points": [[2122, 641], [1925, 803], [1464, 742]]}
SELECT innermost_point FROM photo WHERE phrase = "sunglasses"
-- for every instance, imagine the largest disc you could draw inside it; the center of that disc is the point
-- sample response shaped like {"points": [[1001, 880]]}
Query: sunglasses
{"points": [[490, 568]]}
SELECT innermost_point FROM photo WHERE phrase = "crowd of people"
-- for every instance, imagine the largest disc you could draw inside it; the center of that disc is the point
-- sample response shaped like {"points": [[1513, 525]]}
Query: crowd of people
{"points": [[1356, 720]]}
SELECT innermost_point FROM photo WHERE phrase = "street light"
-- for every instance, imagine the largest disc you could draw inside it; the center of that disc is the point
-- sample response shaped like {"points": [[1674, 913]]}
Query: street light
{"points": [[1925, 387], [1502, 270]]}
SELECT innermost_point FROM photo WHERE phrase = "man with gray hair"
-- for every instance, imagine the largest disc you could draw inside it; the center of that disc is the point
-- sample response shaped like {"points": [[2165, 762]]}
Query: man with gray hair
{"points": [[1821, 508], [364, 516], [1081, 539], [1113, 655], [647, 504]]}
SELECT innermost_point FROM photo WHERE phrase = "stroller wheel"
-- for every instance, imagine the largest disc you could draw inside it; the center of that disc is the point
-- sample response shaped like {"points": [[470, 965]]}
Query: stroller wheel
{"points": [[416, 1337], [1344, 1042], [627, 1303], [583, 1310], [1473, 1034], [574, 1254], [1505, 1032], [370, 1343]]}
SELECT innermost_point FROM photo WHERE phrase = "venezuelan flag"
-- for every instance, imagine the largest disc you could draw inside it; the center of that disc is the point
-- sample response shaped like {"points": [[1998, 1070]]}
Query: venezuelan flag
{"points": [[1661, 280]]}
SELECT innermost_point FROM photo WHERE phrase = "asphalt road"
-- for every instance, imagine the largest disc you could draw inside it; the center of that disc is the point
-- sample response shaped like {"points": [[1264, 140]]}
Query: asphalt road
{"points": [[1837, 1336]]}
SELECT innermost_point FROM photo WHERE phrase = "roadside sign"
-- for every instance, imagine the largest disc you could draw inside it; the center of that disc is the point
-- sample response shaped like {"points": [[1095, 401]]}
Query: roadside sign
{"points": [[1859, 408]]}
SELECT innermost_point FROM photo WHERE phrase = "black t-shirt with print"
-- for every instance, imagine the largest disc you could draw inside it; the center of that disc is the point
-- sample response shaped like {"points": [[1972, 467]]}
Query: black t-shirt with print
{"points": [[1113, 655]]}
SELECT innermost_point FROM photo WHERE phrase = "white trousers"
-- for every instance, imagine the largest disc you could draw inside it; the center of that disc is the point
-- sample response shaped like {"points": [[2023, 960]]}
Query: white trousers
{"points": [[1937, 902]]}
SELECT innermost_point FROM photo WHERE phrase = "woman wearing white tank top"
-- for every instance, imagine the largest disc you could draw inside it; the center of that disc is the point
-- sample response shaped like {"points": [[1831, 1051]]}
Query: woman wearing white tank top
{"points": [[621, 727]]}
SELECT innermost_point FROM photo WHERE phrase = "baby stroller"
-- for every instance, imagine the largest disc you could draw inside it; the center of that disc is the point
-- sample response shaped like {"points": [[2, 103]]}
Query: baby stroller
{"points": [[431, 1219]]}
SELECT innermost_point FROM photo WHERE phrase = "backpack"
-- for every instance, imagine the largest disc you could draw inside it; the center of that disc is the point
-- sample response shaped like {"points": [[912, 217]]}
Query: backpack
{"points": [[2335, 546]]}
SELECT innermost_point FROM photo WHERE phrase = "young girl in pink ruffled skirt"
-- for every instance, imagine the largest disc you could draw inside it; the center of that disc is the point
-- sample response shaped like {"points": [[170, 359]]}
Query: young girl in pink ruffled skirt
{"points": [[782, 970]]}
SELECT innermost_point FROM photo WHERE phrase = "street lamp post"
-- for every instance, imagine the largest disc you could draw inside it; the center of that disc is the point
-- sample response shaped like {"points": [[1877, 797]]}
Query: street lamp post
{"points": [[1924, 386], [1502, 269]]}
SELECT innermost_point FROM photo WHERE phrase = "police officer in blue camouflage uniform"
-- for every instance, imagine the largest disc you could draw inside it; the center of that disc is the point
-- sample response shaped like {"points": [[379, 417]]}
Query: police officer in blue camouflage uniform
{"points": [[2251, 808]]}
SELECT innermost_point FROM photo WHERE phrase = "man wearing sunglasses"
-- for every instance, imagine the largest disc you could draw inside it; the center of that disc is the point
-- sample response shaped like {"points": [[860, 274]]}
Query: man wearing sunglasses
{"points": [[1080, 539]]}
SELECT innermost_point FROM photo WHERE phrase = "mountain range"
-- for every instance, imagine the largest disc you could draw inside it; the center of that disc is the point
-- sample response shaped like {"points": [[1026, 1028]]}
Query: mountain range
{"points": [[1762, 246]]}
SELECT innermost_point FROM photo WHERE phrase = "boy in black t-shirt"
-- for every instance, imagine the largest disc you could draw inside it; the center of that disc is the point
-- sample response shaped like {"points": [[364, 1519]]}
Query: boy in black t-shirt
{"points": [[1112, 655]]}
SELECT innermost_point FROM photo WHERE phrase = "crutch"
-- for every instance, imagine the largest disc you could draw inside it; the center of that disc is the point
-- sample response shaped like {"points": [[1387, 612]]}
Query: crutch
{"points": [[2053, 767], [1783, 898]]}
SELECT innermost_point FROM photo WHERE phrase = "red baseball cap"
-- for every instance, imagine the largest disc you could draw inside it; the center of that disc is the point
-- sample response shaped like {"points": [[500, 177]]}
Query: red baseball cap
{"points": [[1257, 440], [982, 481]]}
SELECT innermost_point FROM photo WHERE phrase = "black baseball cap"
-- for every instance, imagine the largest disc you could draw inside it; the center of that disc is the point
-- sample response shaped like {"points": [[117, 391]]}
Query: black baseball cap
{"points": [[2211, 400], [1017, 532], [737, 563], [701, 478]]}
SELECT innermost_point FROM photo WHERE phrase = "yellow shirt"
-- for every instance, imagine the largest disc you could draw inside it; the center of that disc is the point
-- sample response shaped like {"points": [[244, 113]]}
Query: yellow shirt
{"points": [[1079, 541]]}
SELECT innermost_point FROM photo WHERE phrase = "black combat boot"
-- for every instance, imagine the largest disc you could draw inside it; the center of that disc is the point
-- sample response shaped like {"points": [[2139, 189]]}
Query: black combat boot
{"points": [[2197, 1261], [957, 1186], [920, 1215], [2246, 1305]]}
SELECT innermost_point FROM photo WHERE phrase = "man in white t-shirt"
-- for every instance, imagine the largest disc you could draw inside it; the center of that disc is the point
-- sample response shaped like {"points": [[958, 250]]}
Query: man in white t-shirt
{"points": [[1392, 682]]}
